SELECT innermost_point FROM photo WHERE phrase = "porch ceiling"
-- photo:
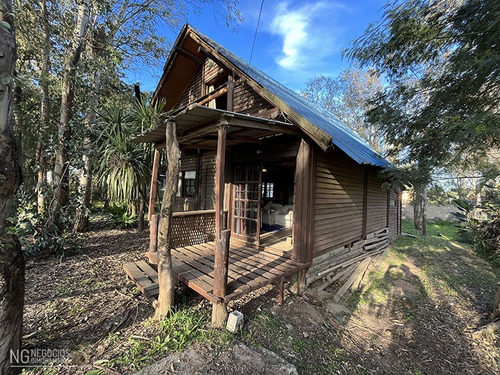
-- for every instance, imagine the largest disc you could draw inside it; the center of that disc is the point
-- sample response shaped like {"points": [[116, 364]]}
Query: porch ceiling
{"points": [[196, 127]]}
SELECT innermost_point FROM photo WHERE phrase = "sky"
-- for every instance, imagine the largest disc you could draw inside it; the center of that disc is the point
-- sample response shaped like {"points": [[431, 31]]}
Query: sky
{"points": [[296, 41]]}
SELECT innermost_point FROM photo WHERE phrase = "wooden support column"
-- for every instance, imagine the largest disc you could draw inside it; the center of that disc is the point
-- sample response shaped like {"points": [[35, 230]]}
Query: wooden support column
{"points": [[303, 214], [221, 266], [282, 291], [220, 163], [154, 184], [230, 93], [153, 233], [365, 199], [219, 310]]}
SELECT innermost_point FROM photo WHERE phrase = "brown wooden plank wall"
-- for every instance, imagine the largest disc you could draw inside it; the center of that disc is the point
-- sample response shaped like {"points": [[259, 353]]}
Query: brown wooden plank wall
{"points": [[377, 203], [338, 218], [212, 70], [189, 161], [194, 88], [247, 101], [207, 180]]}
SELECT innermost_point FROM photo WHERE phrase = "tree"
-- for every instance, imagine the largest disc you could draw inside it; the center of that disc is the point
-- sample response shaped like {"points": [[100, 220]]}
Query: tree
{"points": [[348, 97], [165, 273], [124, 167], [441, 60], [11, 257], [61, 168], [41, 147]]}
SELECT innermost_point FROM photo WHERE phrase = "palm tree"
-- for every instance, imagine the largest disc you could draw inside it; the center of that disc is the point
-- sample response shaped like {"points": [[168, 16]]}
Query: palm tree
{"points": [[124, 166]]}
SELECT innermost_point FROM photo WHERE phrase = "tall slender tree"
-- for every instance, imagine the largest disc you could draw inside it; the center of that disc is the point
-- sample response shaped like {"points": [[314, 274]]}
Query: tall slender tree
{"points": [[41, 147], [61, 168], [165, 274], [11, 257]]}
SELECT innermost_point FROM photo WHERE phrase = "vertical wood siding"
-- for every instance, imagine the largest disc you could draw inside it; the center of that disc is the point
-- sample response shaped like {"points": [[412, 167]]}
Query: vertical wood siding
{"points": [[338, 218]]}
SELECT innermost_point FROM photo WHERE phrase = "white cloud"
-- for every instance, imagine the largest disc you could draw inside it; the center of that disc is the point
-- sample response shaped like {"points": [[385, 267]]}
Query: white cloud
{"points": [[306, 33]]}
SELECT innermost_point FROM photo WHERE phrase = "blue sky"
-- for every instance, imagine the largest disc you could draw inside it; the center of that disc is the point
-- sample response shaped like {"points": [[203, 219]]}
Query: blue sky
{"points": [[297, 40]]}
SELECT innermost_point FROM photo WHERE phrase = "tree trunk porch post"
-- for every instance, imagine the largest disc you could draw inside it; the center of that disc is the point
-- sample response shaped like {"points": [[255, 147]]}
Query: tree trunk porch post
{"points": [[219, 310], [152, 217]]}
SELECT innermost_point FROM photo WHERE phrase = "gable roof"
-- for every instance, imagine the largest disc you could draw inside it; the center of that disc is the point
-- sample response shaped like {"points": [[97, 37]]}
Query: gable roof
{"points": [[323, 127]]}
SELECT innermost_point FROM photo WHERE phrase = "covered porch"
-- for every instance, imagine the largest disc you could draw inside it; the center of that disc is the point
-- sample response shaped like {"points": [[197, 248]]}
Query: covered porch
{"points": [[249, 269], [227, 252]]}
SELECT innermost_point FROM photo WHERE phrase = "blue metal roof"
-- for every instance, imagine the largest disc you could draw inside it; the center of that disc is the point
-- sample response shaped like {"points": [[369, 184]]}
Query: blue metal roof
{"points": [[342, 136]]}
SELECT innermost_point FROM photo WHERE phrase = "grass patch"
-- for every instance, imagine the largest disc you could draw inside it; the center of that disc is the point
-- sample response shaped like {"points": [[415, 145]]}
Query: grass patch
{"points": [[174, 333], [448, 264]]}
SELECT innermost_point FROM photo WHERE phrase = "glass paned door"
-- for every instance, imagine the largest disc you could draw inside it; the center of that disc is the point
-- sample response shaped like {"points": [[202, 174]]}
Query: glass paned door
{"points": [[247, 196]]}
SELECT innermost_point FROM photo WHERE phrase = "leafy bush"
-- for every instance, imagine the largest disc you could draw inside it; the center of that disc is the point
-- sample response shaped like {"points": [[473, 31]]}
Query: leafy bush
{"points": [[482, 224], [35, 237], [120, 217]]}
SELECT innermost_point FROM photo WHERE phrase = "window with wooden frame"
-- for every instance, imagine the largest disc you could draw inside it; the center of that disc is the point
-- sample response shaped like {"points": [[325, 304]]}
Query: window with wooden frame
{"points": [[268, 190], [187, 184]]}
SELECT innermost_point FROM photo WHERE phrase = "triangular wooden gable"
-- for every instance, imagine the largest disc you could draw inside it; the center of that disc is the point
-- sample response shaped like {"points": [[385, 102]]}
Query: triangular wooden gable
{"points": [[195, 69]]}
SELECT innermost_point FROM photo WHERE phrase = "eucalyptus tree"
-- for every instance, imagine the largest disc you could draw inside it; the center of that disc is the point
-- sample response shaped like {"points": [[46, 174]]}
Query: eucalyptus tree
{"points": [[441, 59], [348, 97], [72, 59], [125, 36], [11, 257]]}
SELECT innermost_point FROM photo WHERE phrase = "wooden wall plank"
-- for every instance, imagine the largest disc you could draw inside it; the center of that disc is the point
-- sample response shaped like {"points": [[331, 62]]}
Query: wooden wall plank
{"points": [[303, 212]]}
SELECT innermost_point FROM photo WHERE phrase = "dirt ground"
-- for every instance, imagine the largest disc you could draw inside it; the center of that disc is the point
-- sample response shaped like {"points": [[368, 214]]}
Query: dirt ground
{"points": [[419, 313]]}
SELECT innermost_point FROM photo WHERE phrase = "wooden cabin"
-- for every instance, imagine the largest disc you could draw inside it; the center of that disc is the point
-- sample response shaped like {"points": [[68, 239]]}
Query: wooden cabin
{"points": [[297, 188]]}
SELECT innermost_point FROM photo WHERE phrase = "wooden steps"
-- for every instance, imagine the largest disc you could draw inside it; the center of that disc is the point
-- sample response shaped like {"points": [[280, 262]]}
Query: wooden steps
{"points": [[145, 277]]}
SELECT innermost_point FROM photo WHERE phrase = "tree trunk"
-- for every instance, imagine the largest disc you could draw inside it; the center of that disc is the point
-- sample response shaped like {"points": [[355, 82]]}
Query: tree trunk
{"points": [[85, 186], [61, 168], [41, 148], [417, 207], [165, 273], [11, 257], [424, 210]]}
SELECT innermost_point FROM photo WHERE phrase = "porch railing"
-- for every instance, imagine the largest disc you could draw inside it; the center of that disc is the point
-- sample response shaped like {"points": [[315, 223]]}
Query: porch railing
{"points": [[193, 227]]}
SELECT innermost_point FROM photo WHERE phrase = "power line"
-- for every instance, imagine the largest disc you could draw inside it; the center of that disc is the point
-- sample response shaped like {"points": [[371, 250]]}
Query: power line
{"points": [[256, 30]]}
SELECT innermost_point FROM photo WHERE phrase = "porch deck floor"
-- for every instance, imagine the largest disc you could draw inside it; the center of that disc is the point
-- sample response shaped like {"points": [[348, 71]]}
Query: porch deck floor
{"points": [[278, 240], [249, 269]]}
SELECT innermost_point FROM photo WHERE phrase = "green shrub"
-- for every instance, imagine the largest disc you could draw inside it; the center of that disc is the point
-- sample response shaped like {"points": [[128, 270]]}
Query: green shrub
{"points": [[483, 227], [37, 238], [120, 217]]}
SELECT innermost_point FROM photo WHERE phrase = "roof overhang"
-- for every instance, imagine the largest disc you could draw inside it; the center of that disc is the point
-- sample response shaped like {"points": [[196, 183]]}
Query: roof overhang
{"points": [[197, 126]]}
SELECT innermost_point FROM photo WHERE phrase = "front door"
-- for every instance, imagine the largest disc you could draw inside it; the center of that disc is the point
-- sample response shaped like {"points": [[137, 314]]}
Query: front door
{"points": [[246, 202]]}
